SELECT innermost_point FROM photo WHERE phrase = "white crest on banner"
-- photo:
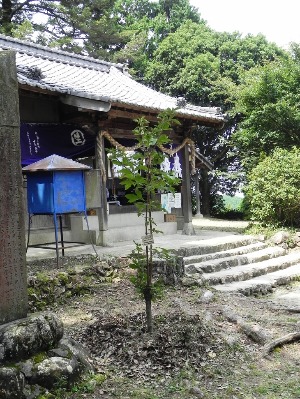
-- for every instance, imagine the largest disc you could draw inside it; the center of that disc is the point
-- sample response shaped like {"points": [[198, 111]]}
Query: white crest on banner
{"points": [[177, 166], [77, 137]]}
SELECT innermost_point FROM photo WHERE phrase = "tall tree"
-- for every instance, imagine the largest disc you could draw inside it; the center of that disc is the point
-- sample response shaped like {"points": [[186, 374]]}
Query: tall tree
{"points": [[87, 27], [148, 23], [269, 101], [207, 72]]}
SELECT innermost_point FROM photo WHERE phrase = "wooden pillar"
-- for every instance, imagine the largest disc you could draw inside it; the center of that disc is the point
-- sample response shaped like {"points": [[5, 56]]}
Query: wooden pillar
{"points": [[205, 193], [101, 212], [13, 278], [197, 194], [188, 228]]}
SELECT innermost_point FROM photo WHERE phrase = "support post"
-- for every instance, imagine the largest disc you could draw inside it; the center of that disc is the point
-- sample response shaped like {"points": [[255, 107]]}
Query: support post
{"points": [[197, 193], [101, 212], [13, 278], [188, 228]]}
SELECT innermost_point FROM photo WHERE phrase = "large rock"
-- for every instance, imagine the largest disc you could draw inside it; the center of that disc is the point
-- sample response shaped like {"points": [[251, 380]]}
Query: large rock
{"points": [[280, 237], [55, 370], [12, 383], [35, 357], [23, 338], [62, 364], [75, 350]]}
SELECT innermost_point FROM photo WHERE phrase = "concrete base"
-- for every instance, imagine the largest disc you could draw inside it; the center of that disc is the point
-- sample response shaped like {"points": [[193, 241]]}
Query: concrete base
{"points": [[130, 233], [188, 229], [42, 236], [198, 216], [121, 227]]}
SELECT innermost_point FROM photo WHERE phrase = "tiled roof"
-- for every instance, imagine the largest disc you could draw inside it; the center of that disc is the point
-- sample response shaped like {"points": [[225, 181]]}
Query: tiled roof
{"points": [[55, 162], [65, 73]]}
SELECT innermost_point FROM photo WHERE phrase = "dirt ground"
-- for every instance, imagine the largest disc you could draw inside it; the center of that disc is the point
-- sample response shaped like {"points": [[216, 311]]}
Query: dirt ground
{"points": [[199, 348]]}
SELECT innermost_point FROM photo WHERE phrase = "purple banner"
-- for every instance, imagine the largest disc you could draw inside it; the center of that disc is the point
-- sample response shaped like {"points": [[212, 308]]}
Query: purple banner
{"points": [[39, 140]]}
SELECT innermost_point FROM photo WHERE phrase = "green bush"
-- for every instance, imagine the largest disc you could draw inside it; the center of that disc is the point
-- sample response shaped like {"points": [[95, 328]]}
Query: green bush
{"points": [[229, 208], [273, 190]]}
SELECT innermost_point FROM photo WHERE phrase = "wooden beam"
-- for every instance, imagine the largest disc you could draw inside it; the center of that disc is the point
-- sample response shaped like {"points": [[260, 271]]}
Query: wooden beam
{"points": [[136, 113], [118, 113], [114, 124], [120, 133], [188, 228]]}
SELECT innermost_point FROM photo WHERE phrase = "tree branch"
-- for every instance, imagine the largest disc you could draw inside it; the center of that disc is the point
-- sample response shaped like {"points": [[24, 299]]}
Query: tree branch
{"points": [[286, 339]]}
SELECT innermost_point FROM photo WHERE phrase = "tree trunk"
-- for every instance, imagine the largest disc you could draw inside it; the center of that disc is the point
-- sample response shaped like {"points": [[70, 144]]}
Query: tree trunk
{"points": [[205, 193], [148, 301], [6, 16], [286, 339]]}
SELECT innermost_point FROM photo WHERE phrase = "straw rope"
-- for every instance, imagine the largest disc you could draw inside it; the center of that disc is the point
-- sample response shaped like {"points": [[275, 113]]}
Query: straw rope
{"points": [[115, 143]]}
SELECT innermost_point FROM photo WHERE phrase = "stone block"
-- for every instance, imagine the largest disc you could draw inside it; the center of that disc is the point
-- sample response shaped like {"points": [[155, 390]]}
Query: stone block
{"points": [[22, 338]]}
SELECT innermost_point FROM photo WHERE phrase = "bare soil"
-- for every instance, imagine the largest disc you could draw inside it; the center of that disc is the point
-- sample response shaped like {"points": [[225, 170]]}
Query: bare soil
{"points": [[194, 352]]}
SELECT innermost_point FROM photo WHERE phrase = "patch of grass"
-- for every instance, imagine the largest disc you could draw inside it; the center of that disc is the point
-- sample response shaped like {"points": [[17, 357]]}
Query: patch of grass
{"points": [[88, 384], [267, 231], [39, 357]]}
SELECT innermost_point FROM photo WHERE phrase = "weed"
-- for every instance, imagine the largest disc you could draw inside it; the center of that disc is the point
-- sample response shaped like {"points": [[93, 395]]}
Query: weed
{"points": [[39, 357]]}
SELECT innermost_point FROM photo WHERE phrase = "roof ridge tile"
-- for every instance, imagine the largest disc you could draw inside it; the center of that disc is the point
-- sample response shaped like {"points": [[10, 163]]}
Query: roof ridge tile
{"points": [[38, 50]]}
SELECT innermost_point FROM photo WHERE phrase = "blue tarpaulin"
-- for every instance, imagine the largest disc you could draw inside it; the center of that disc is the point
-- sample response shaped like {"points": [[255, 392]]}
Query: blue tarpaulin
{"points": [[40, 140]]}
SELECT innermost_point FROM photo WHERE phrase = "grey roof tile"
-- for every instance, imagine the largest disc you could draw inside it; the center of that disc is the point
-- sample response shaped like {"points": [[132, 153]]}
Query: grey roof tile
{"points": [[54, 162], [86, 77]]}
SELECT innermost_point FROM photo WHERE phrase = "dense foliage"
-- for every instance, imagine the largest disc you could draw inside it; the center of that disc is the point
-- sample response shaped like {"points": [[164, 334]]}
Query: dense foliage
{"points": [[269, 100], [273, 190], [207, 72], [87, 27], [169, 47]]}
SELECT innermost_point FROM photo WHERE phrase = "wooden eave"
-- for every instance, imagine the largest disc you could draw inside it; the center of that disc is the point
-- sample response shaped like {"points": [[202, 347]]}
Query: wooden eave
{"points": [[134, 112], [38, 90], [128, 111]]}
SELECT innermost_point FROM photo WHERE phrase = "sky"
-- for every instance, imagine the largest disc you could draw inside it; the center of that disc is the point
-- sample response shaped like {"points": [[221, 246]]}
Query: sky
{"points": [[277, 20]]}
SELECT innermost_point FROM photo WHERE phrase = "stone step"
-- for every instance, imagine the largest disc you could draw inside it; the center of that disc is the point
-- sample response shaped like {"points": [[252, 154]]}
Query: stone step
{"points": [[216, 245], [262, 284], [224, 254], [249, 271], [217, 265]]}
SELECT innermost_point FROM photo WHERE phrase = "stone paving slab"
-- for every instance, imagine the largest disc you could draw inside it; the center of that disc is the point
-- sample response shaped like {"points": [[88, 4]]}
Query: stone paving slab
{"points": [[249, 271], [239, 262], [262, 284], [287, 297], [238, 226], [224, 254], [216, 244]]}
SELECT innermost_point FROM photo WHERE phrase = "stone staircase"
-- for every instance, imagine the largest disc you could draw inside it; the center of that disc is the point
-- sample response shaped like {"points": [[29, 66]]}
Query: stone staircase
{"points": [[241, 264]]}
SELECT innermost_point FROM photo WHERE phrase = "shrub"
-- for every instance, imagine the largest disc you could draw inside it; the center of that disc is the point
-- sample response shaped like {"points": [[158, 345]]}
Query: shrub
{"points": [[273, 190]]}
